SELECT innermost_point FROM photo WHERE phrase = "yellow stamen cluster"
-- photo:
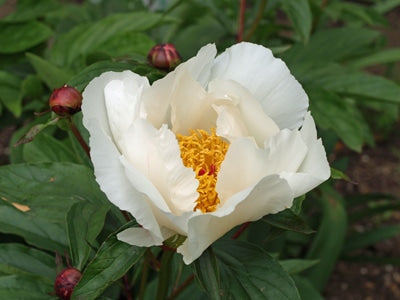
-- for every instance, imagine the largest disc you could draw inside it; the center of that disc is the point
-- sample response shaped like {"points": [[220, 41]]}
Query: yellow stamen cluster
{"points": [[204, 153]]}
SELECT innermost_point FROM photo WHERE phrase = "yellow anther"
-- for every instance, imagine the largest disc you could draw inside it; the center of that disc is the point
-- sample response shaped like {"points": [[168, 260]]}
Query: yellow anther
{"points": [[204, 153]]}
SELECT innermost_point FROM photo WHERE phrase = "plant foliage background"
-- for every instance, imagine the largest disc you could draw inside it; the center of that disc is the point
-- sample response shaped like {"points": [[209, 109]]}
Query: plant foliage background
{"points": [[50, 202]]}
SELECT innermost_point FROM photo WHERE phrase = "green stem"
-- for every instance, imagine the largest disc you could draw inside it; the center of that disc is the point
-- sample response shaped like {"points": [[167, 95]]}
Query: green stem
{"points": [[257, 20], [145, 273], [164, 275]]}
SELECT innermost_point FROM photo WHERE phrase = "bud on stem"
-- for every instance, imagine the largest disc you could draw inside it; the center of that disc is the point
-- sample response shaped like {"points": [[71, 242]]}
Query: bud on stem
{"points": [[164, 56], [66, 281], [65, 101]]}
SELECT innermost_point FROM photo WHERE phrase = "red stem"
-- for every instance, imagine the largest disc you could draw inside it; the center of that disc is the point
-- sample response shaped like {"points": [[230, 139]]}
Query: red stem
{"points": [[128, 289], [240, 230], [126, 215], [180, 288], [79, 137], [241, 21], [257, 20]]}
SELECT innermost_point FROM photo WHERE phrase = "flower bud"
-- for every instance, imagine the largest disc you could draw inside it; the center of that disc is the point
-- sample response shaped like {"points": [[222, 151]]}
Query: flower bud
{"points": [[65, 282], [65, 101], [164, 56]]}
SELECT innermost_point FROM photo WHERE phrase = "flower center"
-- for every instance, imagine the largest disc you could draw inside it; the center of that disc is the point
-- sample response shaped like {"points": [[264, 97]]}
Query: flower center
{"points": [[204, 153]]}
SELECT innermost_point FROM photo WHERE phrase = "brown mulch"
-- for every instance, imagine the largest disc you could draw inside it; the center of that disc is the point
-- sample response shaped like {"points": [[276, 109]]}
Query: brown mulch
{"points": [[375, 170]]}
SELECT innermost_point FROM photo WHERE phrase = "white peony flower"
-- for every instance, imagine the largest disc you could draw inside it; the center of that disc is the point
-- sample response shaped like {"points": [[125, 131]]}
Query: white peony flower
{"points": [[216, 143]]}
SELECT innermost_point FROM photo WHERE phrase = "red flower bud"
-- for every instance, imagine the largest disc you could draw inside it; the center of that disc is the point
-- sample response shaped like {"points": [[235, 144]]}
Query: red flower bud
{"points": [[164, 56], [65, 101], [65, 282]]}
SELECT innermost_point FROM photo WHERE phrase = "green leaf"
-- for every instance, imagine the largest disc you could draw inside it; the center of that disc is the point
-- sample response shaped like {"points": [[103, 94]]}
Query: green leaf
{"points": [[370, 198], [34, 131], [46, 148], [86, 38], [364, 239], [329, 241], [382, 57], [51, 75], [18, 135], [306, 289], [22, 36], [80, 153], [340, 115], [31, 88], [112, 261], [299, 13], [9, 92], [193, 36], [354, 13], [30, 10], [164, 276], [337, 174], [294, 266], [84, 223], [127, 44], [248, 272], [298, 204], [48, 190], [374, 209], [23, 287], [21, 259], [360, 84], [81, 80], [288, 220], [39, 232], [330, 45], [385, 6], [207, 273]]}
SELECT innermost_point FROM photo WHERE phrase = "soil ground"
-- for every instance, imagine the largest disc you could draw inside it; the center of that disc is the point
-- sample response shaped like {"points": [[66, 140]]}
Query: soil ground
{"points": [[376, 170]]}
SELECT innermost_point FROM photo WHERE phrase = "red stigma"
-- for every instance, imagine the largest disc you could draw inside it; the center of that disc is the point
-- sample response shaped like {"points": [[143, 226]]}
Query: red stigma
{"points": [[212, 170]]}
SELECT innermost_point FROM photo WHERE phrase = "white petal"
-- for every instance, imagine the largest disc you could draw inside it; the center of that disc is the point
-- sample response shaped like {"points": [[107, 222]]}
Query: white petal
{"points": [[123, 102], [157, 100], [308, 130], [286, 151], [244, 165], [271, 195], [110, 174], [191, 106], [267, 78], [316, 161], [230, 123], [251, 113], [94, 104], [139, 237], [156, 168], [199, 67], [105, 155], [142, 237], [315, 167]]}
